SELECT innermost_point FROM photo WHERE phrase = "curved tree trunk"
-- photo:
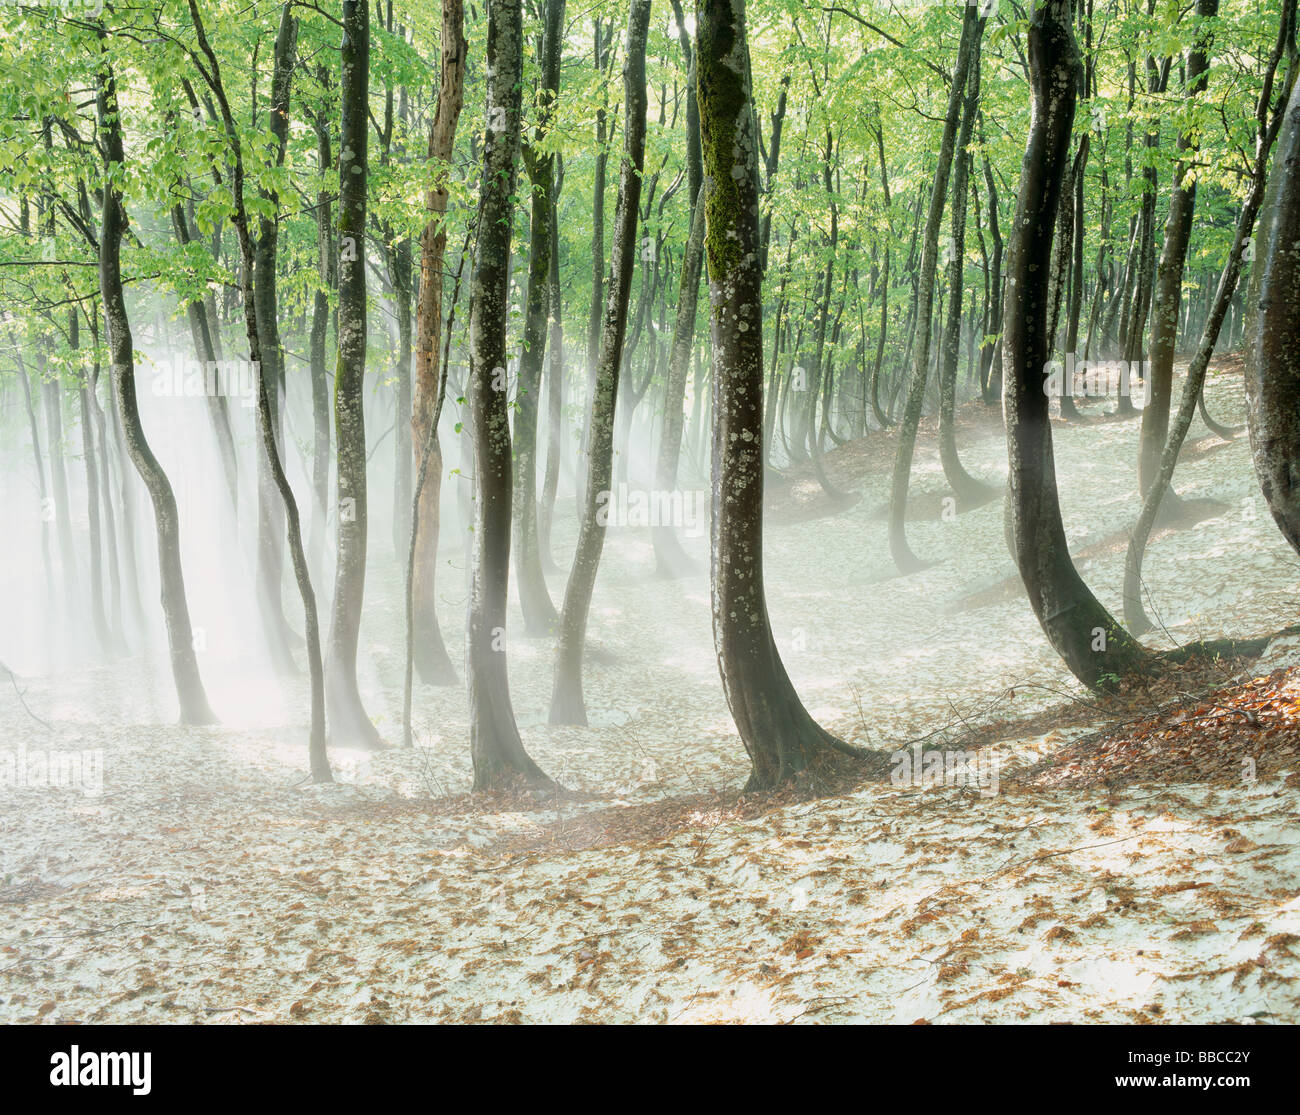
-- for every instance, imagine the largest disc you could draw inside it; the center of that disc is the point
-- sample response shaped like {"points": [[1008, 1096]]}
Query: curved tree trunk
{"points": [[1273, 335], [783, 741], [1169, 276], [194, 707], [972, 28], [969, 491], [567, 706], [1095, 647]]}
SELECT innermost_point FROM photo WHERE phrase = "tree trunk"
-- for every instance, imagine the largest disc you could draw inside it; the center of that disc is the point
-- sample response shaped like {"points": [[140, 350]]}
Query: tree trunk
{"points": [[349, 723], [784, 743], [431, 658], [1095, 647], [1193, 387], [40, 468], [969, 491], [326, 281], [540, 617], [500, 761], [554, 399], [907, 562], [286, 45], [670, 558], [1169, 278], [194, 707], [1273, 335], [567, 706], [270, 508]]}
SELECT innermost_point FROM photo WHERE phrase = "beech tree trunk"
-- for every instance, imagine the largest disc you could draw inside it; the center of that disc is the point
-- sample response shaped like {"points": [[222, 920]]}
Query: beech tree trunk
{"points": [[271, 451], [1169, 276], [349, 723], [431, 658], [326, 281], [1193, 388], [194, 707], [270, 506], [500, 761], [969, 491], [540, 617], [907, 562], [1273, 335], [671, 559], [783, 741], [567, 705], [554, 397], [1096, 648]]}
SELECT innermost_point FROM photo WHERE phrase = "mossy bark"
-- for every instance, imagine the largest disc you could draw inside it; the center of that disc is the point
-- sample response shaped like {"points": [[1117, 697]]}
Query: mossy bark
{"points": [[784, 743]]}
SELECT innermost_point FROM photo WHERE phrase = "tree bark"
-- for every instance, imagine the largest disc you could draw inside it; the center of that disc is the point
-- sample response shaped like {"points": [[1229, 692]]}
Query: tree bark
{"points": [[1098, 651], [783, 741], [349, 723], [431, 658], [1273, 335], [567, 705], [194, 707], [500, 761], [540, 617], [907, 562]]}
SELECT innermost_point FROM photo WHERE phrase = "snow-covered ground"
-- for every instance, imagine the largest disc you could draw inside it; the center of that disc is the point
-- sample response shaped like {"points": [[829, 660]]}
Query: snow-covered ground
{"points": [[209, 880]]}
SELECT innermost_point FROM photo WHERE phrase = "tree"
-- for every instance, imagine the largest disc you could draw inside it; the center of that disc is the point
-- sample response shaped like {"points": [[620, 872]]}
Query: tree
{"points": [[253, 308], [1095, 647], [194, 707], [1266, 130], [431, 657], [1173, 257], [348, 720], [971, 29], [567, 706], [969, 491], [1273, 335], [540, 617], [783, 741], [500, 761]]}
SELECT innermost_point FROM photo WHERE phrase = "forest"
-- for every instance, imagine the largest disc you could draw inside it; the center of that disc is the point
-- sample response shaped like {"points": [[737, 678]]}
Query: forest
{"points": [[666, 511]]}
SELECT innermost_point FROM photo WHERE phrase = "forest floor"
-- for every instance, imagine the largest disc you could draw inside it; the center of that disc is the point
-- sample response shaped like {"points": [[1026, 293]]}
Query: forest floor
{"points": [[1119, 860]]}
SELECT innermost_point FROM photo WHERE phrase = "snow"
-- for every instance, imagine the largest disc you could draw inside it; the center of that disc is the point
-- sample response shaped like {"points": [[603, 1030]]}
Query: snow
{"points": [[210, 881]]}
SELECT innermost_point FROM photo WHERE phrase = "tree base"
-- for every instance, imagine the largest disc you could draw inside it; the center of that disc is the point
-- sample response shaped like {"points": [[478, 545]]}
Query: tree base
{"points": [[349, 726], [821, 769]]}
